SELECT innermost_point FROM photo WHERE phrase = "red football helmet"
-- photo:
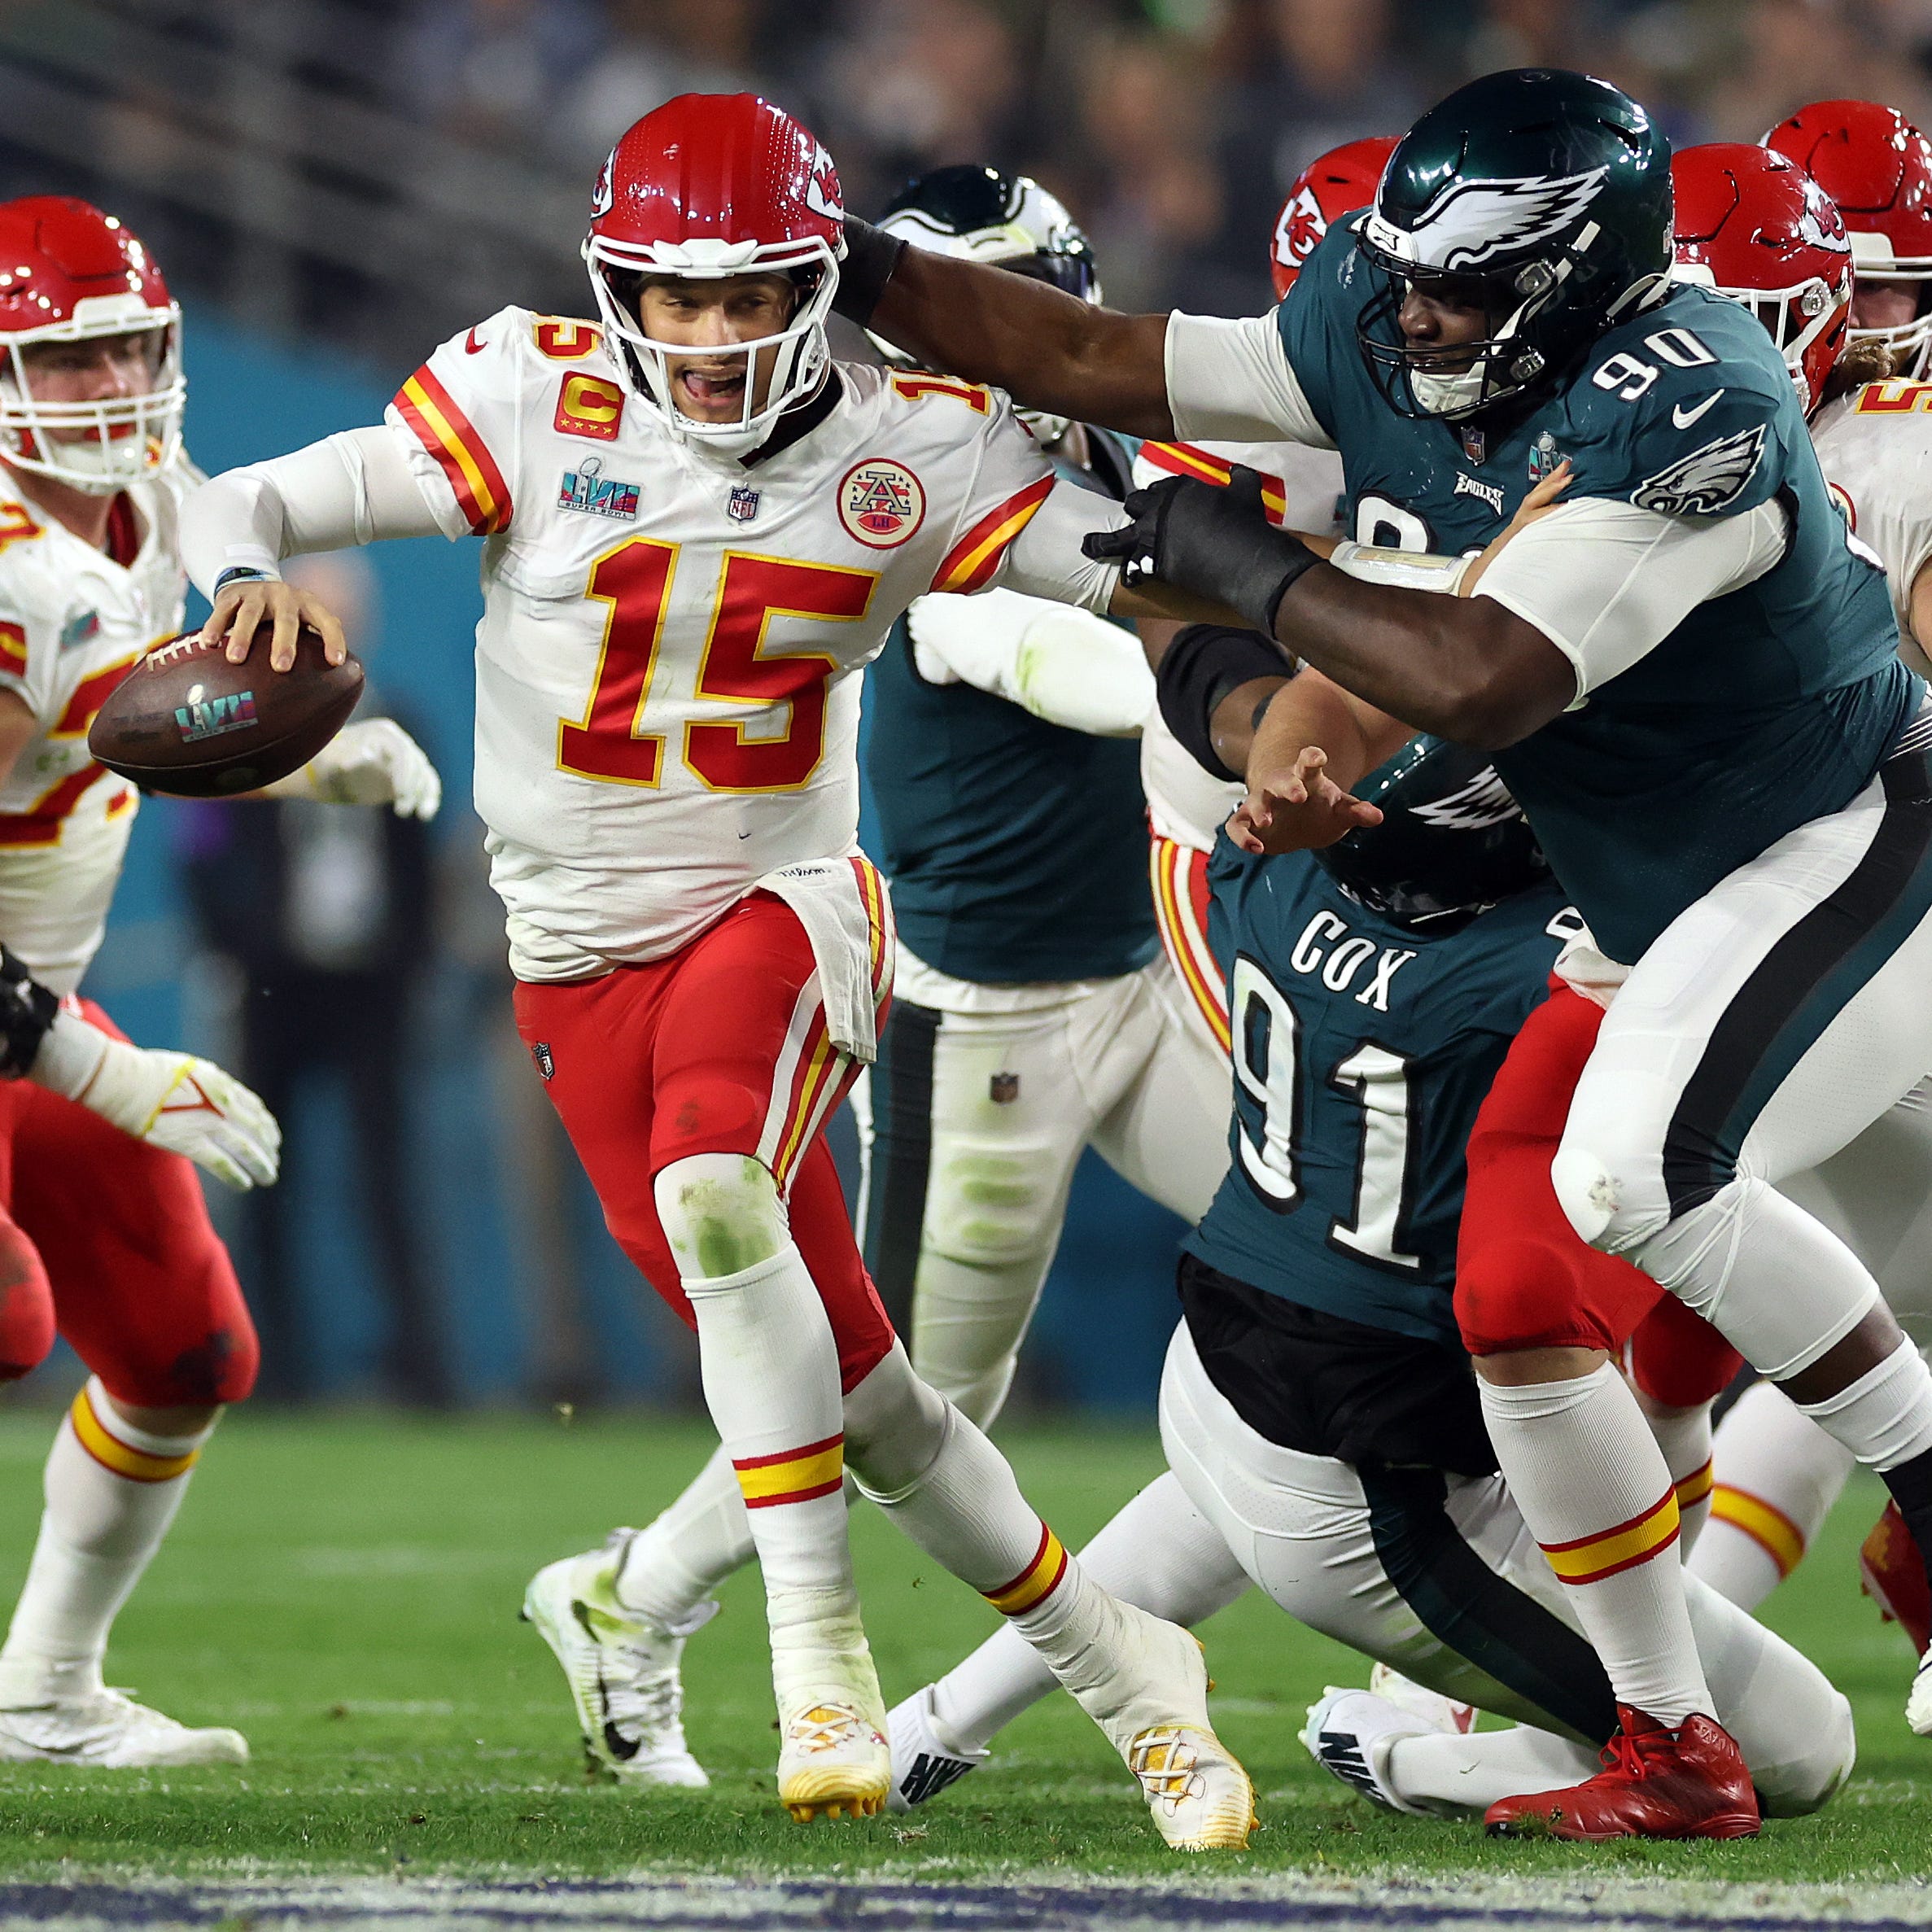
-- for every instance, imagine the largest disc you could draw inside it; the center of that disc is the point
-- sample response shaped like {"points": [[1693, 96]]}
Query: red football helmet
{"points": [[1877, 167], [1331, 186], [711, 185], [70, 274], [1752, 225]]}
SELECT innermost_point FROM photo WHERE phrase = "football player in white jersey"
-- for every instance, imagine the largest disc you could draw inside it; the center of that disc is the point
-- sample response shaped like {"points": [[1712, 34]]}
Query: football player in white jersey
{"points": [[698, 530], [104, 1233]]}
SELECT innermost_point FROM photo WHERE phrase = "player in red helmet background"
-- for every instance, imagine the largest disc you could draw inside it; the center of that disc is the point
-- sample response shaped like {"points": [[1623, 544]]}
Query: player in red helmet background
{"points": [[698, 530], [105, 1236], [1877, 167]]}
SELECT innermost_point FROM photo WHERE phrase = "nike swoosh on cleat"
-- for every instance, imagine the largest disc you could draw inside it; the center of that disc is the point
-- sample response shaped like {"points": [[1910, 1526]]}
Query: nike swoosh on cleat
{"points": [[1682, 418], [472, 347]]}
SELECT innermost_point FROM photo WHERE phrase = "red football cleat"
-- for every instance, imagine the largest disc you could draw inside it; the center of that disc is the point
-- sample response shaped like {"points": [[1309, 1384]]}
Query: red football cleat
{"points": [[1892, 1573], [1689, 1783]]}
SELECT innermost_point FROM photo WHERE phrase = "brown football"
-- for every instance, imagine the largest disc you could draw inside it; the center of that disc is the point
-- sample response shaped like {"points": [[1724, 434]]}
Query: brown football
{"points": [[186, 720]]}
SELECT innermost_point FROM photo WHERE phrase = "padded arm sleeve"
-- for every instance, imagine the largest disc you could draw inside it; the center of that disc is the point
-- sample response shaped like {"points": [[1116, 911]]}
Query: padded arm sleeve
{"points": [[1606, 582], [1231, 380], [350, 488]]}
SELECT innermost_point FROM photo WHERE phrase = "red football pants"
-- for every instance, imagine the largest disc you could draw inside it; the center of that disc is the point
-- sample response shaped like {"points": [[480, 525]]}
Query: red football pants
{"points": [[107, 1241], [1524, 1279], [720, 1049]]}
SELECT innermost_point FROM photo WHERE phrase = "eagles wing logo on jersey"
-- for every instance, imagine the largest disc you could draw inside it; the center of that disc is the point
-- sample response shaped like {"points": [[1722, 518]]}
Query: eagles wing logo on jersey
{"points": [[1706, 481], [1471, 223], [1484, 801]]}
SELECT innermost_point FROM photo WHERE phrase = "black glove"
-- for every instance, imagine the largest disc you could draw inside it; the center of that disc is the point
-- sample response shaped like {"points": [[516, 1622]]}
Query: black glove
{"points": [[1216, 543], [871, 256]]}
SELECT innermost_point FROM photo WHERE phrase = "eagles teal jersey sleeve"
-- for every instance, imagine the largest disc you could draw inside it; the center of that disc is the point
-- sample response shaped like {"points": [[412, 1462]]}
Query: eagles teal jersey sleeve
{"points": [[1362, 1050]]}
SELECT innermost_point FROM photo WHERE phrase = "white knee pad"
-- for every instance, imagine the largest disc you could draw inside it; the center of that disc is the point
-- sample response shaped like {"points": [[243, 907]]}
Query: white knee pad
{"points": [[1600, 1204], [896, 1426], [722, 1213]]}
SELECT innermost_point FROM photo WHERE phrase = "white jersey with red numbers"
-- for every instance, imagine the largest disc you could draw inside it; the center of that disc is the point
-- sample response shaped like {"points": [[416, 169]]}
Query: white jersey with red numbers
{"points": [[71, 621], [1875, 447], [1186, 806], [667, 682]]}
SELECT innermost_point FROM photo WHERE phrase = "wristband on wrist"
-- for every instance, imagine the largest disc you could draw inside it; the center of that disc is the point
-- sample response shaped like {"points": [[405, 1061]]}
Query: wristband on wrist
{"points": [[243, 573], [1203, 664], [871, 256]]}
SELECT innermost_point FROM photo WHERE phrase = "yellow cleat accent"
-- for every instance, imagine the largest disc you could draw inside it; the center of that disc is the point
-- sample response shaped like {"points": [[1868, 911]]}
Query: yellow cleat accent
{"points": [[835, 1763], [1186, 1772]]}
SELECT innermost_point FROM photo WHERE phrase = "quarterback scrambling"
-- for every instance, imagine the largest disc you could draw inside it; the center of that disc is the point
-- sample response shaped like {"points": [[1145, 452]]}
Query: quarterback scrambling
{"points": [[698, 529]]}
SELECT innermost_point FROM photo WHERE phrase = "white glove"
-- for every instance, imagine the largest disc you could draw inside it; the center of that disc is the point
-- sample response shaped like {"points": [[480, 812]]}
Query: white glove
{"points": [[171, 1100], [375, 763], [1061, 662]]}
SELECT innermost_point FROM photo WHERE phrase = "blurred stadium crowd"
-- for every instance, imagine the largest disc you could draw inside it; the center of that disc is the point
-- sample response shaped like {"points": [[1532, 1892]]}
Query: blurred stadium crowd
{"points": [[376, 170], [370, 176]]}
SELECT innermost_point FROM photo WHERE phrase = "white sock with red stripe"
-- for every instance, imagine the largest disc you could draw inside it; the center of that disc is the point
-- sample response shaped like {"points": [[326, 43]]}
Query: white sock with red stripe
{"points": [[111, 1491], [1684, 1435], [771, 1375], [1159, 1552], [1778, 1474], [1594, 1489]]}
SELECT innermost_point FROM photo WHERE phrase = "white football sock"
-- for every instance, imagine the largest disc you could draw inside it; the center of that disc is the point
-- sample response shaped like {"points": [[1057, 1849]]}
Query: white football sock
{"points": [[1596, 1492], [1778, 1474], [770, 1371], [111, 1491], [1884, 1417], [673, 1566], [1684, 1435], [1159, 1553]]}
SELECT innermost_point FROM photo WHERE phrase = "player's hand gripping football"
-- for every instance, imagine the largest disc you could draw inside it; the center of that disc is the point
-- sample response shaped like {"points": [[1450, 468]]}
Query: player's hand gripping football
{"points": [[242, 606], [375, 763], [170, 1099]]}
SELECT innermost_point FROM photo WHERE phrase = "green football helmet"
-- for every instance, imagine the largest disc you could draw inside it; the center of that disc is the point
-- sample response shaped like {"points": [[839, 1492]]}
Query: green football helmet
{"points": [[1541, 196]]}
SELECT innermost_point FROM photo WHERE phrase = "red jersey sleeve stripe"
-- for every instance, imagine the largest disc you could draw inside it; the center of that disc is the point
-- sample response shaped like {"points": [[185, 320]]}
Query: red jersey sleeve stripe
{"points": [[451, 438], [1183, 459], [970, 563]]}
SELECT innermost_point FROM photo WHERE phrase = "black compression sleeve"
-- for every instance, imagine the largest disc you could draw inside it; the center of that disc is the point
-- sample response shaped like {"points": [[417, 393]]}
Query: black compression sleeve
{"points": [[1203, 663], [871, 256], [27, 1010]]}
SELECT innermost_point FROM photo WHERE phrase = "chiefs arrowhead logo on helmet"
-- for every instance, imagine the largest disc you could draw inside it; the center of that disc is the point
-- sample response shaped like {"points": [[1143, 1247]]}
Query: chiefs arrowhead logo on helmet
{"points": [[1331, 186], [600, 193], [823, 195]]}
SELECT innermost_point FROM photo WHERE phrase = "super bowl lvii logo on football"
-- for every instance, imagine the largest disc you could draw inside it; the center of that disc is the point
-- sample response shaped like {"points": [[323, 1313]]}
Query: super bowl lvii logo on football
{"points": [[205, 717]]}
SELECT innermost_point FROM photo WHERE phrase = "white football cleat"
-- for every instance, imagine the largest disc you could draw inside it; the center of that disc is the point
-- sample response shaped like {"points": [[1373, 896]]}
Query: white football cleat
{"points": [[1151, 1700], [924, 1763], [1918, 1705], [108, 1728], [622, 1667], [1348, 1734], [833, 1759], [1440, 1713]]}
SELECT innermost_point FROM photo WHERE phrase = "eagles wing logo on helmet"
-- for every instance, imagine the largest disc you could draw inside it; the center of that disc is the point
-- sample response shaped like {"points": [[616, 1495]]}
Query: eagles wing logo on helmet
{"points": [[1471, 223], [821, 188], [1484, 801], [1706, 481], [601, 195]]}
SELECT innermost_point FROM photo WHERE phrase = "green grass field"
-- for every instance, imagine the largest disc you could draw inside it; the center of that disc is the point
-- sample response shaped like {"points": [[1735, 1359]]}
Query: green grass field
{"points": [[345, 1591]]}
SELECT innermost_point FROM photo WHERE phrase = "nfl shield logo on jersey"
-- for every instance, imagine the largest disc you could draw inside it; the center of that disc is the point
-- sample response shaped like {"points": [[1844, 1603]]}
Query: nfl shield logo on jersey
{"points": [[1003, 1089], [881, 503], [540, 1053], [743, 506]]}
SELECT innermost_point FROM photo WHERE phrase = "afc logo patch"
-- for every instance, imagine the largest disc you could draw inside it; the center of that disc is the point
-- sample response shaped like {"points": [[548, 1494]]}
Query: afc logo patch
{"points": [[1003, 1089], [880, 503], [540, 1053], [589, 406]]}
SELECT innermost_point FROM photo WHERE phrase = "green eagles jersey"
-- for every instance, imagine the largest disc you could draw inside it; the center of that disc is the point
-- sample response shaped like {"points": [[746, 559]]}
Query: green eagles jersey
{"points": [[1017, 850], [1362, 1050], [1764, 708]]}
